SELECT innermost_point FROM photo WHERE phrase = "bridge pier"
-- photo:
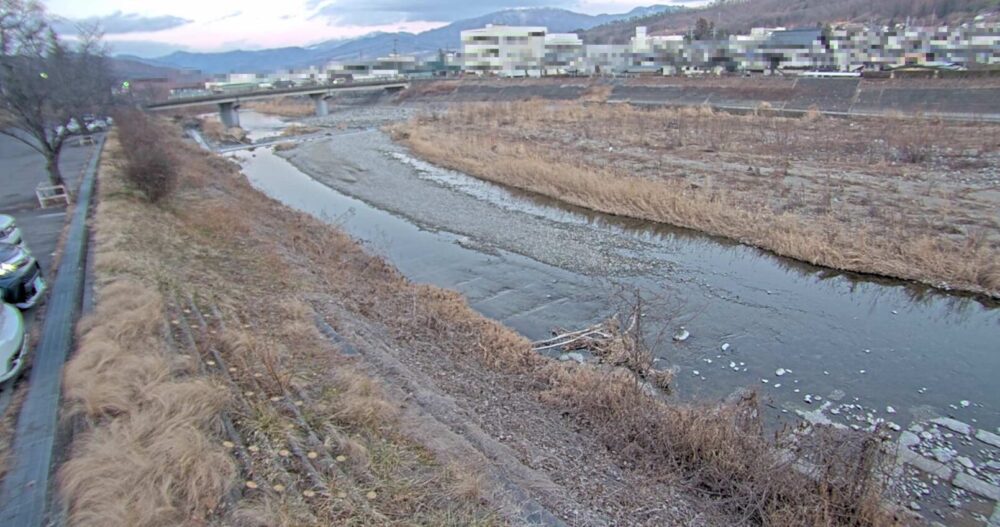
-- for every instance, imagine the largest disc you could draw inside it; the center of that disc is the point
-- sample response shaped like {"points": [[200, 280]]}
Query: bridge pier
{"points": [[229, 115], [319, 99]]}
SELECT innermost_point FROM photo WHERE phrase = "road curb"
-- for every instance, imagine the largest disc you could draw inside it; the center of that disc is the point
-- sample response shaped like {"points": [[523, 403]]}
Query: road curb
{"points": [[24, 492]]}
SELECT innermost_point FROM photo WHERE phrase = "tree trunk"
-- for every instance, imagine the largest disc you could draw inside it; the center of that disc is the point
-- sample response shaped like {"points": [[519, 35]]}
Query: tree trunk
{"points": [[52, 166]]}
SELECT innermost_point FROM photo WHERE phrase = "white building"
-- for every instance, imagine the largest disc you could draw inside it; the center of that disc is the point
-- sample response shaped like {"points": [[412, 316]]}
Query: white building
{"points": [[514, 51]]}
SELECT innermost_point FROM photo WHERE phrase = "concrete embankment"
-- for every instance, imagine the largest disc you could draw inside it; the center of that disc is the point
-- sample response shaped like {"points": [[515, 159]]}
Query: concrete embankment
{"points": [[947, 99]]}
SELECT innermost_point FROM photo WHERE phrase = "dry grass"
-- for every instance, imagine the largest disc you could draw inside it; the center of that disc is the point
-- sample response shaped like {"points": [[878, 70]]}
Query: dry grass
{"points": [[284, 107], [917, 205], [153, 452], [298, 129], [150, 455]]}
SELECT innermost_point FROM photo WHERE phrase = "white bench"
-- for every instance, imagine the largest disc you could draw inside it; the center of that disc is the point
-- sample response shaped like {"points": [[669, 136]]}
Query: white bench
{"points": [[49, 195]]}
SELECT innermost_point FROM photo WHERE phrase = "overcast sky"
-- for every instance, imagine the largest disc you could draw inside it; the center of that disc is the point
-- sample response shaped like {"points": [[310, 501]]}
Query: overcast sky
{"points": [[156, 27]]}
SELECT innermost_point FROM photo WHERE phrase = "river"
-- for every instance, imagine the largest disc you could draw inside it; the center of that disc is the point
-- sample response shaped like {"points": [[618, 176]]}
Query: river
{"points": [[862, 348]]}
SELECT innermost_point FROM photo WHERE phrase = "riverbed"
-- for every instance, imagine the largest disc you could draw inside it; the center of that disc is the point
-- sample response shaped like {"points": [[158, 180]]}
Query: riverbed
{"points": [[536, 266]]}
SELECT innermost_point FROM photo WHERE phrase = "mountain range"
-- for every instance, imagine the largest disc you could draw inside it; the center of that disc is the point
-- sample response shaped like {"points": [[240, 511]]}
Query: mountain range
{"points": [[381, 44]]}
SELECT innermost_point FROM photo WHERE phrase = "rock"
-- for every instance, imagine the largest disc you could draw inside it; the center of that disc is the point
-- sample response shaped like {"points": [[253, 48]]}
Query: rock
{"points": [[780, 371], [894, 427], [696, 372], [989, 438], [942, 454], [808, 399], [908, 439], [725, 347], [574, 356], [977, 486], [890, 410], [953, 425], [682, 335], [965, 462], [914, 506], [964, 404]]}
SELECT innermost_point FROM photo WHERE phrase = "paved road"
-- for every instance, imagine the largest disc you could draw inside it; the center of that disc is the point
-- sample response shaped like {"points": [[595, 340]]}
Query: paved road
{"points": [[24, 489], [21, 169]]}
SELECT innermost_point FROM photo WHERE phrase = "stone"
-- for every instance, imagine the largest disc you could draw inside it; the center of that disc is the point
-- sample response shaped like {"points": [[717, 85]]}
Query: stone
{"points": [[989, 438], [953, 425], [925, 464], [977, 486], [908, 439], [914, 506], [965, 462], [890, 410], [574, 356], [682, 335], [725, 347], [780, 371], [942, 454], [964, 403]]}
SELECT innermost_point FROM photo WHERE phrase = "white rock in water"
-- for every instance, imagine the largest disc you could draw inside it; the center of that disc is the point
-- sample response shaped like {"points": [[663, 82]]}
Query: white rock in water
{"points": [[914, 505], [941, 454], [894, 427], [725, 347], [780, 371], [696, 372], [765, 381], [965, 404], [777, 385], [951, 424], [808, 399], [890, 410], [682, 335], [965, 462]]}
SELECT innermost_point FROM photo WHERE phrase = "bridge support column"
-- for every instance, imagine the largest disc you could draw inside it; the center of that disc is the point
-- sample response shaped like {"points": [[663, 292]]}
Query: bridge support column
{"points": [[229, 115], [319, 99]]}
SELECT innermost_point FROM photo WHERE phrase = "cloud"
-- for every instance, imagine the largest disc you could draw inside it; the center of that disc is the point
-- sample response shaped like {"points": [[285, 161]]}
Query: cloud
{"points": [[118, 23], [371, 12]]}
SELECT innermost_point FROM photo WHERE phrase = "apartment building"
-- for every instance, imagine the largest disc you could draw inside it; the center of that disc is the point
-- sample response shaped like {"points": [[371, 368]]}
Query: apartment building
{"points": [[511, 51]]}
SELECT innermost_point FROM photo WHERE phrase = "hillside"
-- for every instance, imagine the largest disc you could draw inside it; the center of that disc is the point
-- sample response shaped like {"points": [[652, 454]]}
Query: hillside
{"points": [[741, 15], [380, 44]]}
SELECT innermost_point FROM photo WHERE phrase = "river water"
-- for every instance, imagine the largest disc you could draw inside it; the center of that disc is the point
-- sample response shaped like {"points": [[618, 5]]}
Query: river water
{"points": [[854, 345]]}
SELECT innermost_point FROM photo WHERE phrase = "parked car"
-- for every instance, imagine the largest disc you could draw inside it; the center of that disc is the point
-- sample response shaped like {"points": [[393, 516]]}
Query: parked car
{"points": [[21, 281], [13, 343], [9, 233]]}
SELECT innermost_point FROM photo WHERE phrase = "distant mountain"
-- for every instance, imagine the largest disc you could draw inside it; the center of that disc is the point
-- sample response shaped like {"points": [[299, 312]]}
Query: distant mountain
{"points": [[381, 44], [126, 67], [741, 15]]}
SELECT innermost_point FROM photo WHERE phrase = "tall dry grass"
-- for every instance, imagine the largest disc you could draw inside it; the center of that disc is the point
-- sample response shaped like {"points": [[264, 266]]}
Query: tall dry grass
{"points": [[153, 452], [150, 454], [562, 151]]}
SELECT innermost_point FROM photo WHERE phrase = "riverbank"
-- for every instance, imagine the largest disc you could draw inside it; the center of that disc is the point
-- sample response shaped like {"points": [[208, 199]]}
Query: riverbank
{"points": [[416, 383], [899, 198]]}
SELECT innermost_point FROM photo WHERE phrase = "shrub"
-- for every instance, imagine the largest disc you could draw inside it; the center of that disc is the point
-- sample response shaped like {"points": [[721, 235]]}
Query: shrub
{"points": [[149, 164]]}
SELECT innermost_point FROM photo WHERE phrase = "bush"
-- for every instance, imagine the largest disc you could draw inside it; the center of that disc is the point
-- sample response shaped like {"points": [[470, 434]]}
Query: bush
{"points": [[149, 164]]}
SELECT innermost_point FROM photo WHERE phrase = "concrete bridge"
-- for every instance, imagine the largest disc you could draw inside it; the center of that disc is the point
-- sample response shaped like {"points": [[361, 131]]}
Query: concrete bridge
{"points": [[229, 103]]}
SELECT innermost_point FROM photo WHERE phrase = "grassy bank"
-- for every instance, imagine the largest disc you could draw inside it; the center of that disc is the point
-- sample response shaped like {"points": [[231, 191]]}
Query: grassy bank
{"points": [[155, 448], [206, 318], [904, 198]]}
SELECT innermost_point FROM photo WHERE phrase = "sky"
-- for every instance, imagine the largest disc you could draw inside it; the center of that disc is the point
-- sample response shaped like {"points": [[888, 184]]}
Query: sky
{"points": [[156, 27]]}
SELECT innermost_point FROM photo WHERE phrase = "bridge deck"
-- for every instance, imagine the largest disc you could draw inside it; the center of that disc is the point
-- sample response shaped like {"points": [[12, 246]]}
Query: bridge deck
{"points": [[265, 94]]}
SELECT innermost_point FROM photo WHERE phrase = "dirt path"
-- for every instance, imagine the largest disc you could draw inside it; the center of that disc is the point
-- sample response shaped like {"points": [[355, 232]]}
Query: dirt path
{"points": [[541, 467]]}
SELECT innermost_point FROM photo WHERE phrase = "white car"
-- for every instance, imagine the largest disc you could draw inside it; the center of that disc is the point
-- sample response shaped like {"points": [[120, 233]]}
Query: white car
{"points": [[9, 233], [13, 343]]}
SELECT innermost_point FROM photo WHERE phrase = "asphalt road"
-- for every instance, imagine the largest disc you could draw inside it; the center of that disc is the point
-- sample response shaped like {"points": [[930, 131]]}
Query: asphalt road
{"points": [[21, 170]]}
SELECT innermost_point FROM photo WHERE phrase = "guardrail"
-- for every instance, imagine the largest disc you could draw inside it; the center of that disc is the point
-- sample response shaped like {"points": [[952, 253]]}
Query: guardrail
{"points": [[49, 195]]}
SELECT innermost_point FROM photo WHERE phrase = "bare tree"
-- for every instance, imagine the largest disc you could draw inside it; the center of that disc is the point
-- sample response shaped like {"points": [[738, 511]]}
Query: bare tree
{"points": [[44, 82]]}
